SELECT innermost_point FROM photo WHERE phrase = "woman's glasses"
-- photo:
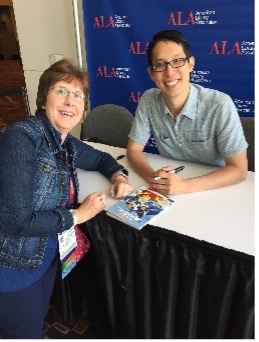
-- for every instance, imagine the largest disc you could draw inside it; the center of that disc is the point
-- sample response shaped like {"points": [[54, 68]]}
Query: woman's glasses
{"points": [[63, 91]]}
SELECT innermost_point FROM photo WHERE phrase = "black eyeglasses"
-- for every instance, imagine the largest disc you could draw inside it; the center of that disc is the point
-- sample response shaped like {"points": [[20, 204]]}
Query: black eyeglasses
{"points": [[175, 63]]}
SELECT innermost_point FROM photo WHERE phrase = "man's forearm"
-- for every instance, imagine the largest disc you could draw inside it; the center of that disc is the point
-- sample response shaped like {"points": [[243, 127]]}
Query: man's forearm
{"points": [[224, 176], [140, 164]]}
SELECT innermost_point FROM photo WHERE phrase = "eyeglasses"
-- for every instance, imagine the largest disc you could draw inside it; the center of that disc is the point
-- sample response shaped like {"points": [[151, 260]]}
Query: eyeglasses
{"points": [[63, 91], [175, 63]]}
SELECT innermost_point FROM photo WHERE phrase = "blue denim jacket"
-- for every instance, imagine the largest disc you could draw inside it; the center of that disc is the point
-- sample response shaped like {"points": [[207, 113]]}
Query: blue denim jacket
{"points": [[34, 186]]}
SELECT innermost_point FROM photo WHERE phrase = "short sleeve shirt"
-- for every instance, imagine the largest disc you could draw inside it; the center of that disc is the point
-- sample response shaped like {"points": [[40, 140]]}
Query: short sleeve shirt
{"points": [[208, 129]]}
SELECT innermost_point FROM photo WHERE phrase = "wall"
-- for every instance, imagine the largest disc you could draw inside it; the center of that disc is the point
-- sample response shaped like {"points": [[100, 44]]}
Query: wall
{"points": [[45, 27]]}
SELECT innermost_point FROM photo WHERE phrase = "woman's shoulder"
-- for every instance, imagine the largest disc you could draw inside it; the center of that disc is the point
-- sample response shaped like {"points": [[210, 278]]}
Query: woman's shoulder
{"points": [[23, 125], [27, 128]]}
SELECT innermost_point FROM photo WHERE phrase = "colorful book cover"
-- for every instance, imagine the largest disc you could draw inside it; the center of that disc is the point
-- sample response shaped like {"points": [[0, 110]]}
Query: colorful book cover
{"points": [[139, 207]]}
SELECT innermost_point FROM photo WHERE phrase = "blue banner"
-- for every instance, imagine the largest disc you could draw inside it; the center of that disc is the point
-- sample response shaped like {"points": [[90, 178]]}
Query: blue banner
{"points": [[220, 33]]}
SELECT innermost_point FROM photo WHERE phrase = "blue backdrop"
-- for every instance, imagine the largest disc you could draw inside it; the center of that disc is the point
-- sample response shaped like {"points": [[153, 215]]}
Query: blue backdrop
{"points": [[220, 33]]}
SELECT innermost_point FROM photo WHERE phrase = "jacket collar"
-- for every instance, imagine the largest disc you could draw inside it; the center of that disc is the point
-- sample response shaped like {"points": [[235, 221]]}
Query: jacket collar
{"points": [[52, 135]]}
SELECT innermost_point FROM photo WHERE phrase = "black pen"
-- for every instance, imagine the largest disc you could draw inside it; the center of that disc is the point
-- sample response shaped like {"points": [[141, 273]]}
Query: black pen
{"points": [[120, 157], [176, 170]]}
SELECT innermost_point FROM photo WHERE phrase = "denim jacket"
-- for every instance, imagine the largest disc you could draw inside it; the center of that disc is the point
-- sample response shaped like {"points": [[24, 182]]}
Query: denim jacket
{"points": [[34, 187]]}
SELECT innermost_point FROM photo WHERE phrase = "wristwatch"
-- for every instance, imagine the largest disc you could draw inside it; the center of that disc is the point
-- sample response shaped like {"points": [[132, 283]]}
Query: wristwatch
{"points": [[122, 173], [74, 216]]}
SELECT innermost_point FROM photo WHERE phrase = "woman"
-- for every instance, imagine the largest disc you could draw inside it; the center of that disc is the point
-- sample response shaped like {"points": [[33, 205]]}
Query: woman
{"points": [[38, 199]]}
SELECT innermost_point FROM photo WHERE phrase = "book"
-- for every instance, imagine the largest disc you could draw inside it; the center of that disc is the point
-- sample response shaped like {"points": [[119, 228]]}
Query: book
{"points": [[139, 207]]}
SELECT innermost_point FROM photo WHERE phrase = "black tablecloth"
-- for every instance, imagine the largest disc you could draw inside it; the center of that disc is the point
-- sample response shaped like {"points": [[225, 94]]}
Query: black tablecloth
{"points": [[157, 283]]}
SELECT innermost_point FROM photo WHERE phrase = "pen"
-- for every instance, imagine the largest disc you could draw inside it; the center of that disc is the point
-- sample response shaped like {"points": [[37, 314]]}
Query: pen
{"points": [[120, 157], [176, 170]]}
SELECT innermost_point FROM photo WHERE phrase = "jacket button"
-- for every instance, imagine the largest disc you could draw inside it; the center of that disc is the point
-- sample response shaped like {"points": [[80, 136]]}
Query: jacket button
{"points": [[46, 169], [43, 239], [63, 183], [61, 156]]}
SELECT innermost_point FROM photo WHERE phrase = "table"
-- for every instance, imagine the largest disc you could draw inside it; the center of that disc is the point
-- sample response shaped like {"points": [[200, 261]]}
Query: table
{"points": [[189, 275], [224, 217]]}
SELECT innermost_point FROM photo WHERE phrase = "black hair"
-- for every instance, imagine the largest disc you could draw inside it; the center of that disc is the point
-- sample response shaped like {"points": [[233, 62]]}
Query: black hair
{"points": [[168, 35]]}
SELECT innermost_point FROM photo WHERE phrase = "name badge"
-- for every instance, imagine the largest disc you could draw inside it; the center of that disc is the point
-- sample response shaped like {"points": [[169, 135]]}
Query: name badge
{"points": [[67, 247]]}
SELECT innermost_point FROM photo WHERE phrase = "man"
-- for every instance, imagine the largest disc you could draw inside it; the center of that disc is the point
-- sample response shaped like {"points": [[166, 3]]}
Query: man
{"points": [[189, 122]]}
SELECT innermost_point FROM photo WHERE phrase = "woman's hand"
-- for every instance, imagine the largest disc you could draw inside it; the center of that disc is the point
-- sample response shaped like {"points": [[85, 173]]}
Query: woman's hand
{"points": [[91, 206], [120, 188]]}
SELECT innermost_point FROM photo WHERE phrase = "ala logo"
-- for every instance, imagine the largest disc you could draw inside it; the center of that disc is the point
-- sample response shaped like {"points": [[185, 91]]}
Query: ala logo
{"points": [[135, 96], [218, 48], [200, 76], [138, 48], [106, 72], [244, 106], [227, 48], [205, 17], [192, 18], [116, 21]]}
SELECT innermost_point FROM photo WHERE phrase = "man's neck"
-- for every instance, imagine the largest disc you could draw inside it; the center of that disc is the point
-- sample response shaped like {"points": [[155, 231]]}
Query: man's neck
{"points": [[175, 104]]}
